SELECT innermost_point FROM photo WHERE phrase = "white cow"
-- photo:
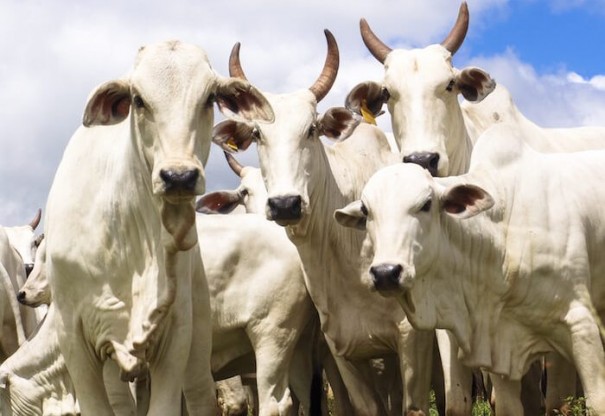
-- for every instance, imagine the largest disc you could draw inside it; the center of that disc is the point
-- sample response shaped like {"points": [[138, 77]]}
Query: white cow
{"points": [[239, 328], [435, 130], [511, 282], [252, 195], [16, 322], [34, 380], [306, 180], [22, 238], [260, 306], [125, 271]]}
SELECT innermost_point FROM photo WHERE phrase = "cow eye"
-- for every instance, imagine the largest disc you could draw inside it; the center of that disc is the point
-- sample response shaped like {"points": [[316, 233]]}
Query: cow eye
{"points": [[138, 102], [450, 85], [312, 130], [427, 206], [210, 101], [364, 210], [385, 94], [255, 133]]}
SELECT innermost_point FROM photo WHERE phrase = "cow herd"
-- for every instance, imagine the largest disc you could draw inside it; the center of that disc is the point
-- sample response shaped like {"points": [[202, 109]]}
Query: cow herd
{"points": [[463, 250]]}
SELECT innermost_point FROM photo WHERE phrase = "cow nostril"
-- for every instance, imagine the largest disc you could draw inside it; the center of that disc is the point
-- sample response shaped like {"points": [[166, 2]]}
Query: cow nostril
{"points": [[386, 276], [21, 296], [428, 160], [285, 207], [184, 181]]}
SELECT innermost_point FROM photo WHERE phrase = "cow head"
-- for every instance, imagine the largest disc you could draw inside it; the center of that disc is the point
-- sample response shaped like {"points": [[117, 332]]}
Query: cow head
{"points": [[421, 88], [287, 148], [401, 208], [251, 193], [169, 99], [22, 239], [36, 290]]}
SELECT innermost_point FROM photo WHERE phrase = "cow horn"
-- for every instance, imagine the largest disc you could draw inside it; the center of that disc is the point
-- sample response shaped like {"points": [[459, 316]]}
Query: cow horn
{"points": [[235, 166], [235, 67], [456, 36], [374, 45], [34, 223], [328, 75]]}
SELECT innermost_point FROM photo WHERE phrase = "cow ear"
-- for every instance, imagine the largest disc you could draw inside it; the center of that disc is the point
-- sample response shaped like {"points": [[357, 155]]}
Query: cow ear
{"points": [[367, 99], [219, 202], [474, 84], [465, 201], [353, 215], [338, 123], [108, 104], [239, 100], [232, 136]]}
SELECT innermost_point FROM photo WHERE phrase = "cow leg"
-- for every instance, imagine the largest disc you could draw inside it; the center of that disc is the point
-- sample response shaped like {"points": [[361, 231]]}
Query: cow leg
{"points": [[531, 393], [302, 368], [168, 365], [416, 360], [507, 395], [199, 388], [86, 372], [118, 391], [273, 353], [457, 378], [362, 396], [342, 402], [588, 355], [560, 381]]}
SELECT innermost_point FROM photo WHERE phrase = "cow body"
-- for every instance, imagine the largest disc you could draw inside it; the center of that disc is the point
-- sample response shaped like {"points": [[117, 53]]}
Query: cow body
{"points": [[17, 323], [512, 282], [305, 180], [258, 300], [121, 256], [433, 129]]}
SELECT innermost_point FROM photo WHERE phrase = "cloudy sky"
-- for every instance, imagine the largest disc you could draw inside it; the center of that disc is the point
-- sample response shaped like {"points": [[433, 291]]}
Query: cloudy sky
{"points": [[550, 54]]}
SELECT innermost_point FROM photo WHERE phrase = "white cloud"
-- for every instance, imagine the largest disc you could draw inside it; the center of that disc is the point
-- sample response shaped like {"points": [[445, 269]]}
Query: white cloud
{"points": [[55, 53], [561, 99]]}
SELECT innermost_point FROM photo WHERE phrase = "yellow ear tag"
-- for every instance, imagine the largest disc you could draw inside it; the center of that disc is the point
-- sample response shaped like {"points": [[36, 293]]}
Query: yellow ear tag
{"points": [[231, 144], [367, 114]]}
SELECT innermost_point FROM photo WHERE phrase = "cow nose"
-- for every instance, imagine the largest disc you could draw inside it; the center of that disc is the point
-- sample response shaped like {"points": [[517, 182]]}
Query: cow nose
{"points": [[386, 276], [428, 160], [180, 181], [285, 207], [28, 268], [21, 296]]}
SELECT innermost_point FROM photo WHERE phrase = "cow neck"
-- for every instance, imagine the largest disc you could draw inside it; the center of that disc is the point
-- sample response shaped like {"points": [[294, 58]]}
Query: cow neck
{"points": [[463, 280], [353, 318], [460, 153]]}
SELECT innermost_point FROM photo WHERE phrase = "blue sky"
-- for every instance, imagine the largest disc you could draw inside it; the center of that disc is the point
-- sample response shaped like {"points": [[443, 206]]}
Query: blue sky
{"points": [[547, 36], [549, 54]]}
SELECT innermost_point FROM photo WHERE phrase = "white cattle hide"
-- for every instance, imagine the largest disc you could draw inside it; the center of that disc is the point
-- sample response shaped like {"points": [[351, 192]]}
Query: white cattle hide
{"points": [[511, 282], [23, 240], [258, 299], [125, 271], [16, 322], [306, 180]]}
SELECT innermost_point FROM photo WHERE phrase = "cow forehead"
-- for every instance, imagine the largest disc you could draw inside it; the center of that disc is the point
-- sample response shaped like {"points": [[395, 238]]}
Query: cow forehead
{"points": [[398, 186], [431, 64], [170, 67], [294, 114]]}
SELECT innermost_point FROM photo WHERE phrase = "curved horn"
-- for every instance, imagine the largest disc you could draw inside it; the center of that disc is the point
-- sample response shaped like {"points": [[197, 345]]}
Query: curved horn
{"points": [[34, 223], [374, 45], [456, 36], [328, 75], [235, 67], [235, 166]]}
